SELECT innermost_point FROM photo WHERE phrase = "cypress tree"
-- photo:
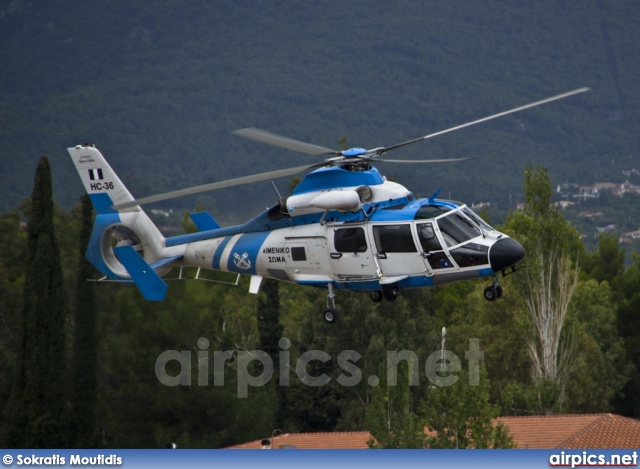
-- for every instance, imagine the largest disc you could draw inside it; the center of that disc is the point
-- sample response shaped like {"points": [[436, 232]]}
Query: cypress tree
{"points": [[82, 421], [270, 330], [268, 310], [36, 411]]}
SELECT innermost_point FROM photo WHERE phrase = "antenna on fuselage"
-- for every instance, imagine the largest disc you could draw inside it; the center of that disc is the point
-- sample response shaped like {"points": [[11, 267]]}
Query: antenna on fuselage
{"points": [[276, 188]]}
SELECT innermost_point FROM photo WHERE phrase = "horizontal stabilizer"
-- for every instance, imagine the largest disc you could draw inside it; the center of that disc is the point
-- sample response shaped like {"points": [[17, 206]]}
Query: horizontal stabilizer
{"points": [[146, 279], [164, 261], [204, 221]]}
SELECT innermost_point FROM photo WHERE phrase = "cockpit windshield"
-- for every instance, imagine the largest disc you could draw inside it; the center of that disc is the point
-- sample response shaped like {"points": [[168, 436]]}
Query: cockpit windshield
{"points": [[471, 214], [456, 229]]}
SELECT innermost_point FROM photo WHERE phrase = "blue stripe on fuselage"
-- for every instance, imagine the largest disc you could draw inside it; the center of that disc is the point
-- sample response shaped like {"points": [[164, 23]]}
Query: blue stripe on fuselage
{"points": [[417, 281], [217, 256], [244, 253]]}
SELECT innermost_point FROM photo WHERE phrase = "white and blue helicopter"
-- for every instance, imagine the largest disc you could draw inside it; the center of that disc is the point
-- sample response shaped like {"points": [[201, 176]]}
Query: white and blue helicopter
{"points": [[345, 227]]}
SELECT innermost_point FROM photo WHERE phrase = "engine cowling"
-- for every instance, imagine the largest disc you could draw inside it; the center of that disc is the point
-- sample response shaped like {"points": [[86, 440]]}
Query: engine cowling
{"points": [[345, 200]]}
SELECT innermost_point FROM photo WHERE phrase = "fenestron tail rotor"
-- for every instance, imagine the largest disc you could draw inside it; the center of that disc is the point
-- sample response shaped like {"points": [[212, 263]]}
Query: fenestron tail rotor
{"points": [[350, 157]]}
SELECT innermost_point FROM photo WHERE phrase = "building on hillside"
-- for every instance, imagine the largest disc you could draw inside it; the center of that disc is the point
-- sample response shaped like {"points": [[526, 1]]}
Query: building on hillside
{"points": [[599, 431], [617, 190], [607, 229], [563, 204], [588, 214], [629, 172], [629, 237]]}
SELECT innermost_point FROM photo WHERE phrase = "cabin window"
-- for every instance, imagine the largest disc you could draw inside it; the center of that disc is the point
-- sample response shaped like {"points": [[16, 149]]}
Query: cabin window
{"points": [[428, 239], [298, 254], [439, 260], [456, 229], [394, 238], [350, 240], [470, 255]]}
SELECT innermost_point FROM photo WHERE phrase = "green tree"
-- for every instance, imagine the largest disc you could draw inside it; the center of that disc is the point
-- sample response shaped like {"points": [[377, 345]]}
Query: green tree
{"points": [[268, 317], [199, 319], [549, 281], [496, 326], [368, 328], [82, 419], [461, 416], [37, 411], [12, 254], [607, 262], [629, 328], [601, 368], [270, 332], [392, 417]]}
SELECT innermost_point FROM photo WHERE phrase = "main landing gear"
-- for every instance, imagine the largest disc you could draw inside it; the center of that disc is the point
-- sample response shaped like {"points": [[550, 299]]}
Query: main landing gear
{"points": [[376, 296], [330, 314], [493, 292], [388, 292]]}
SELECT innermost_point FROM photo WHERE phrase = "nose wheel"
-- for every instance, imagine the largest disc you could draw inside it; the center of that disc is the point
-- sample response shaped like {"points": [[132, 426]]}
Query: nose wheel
{"points": [[493, 292]]}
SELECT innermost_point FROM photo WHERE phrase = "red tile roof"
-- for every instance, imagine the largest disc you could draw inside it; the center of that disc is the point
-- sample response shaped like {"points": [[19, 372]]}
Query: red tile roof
{"points": [[574, 431], [334, 440], [546, 431], [610, 431], [538, 431]]}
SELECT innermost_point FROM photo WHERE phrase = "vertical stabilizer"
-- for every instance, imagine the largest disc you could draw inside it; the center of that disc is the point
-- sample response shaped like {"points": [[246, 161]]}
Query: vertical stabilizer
{"points": [[100, 181], [125, 245]]}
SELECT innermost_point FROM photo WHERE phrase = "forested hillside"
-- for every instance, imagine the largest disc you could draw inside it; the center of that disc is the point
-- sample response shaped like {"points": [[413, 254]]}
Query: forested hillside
{"points": [[138, 373], [159, 89]]}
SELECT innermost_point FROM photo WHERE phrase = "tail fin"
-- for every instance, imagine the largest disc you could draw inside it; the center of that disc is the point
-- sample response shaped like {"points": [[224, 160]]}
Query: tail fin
{"points": [[116, 228], [100, 181]]}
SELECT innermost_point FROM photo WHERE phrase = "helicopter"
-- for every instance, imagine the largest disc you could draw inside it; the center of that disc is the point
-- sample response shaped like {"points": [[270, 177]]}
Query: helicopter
{"points": [[345, 227]]}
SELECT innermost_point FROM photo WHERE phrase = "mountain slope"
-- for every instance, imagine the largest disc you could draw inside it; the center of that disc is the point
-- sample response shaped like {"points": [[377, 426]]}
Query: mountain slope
{"points": [[159, 89]]}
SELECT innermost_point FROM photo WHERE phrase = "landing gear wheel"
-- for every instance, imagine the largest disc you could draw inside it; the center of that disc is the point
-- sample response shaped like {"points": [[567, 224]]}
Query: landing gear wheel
{"points": [[330, 315], [391, 294], [499, 291], [490, 293], [376, 296]]}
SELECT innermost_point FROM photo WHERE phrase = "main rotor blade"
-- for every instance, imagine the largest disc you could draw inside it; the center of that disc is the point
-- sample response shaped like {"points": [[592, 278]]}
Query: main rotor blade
{"points": [[450, 160], [380, 151], [219, 185], [284, 142]]}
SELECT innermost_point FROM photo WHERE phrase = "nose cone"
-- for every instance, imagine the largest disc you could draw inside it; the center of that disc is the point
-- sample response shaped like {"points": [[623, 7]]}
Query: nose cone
{"points": [[506, 252]]}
